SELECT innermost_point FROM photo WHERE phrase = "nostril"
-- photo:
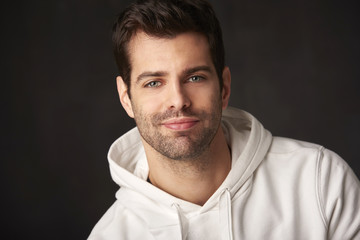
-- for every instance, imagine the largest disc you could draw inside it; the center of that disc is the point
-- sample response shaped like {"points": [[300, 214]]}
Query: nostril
{"points": [[178, 98]]}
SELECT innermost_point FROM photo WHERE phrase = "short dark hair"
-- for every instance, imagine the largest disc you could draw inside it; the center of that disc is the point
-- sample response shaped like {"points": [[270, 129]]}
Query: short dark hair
{"points": [[166, 19]]}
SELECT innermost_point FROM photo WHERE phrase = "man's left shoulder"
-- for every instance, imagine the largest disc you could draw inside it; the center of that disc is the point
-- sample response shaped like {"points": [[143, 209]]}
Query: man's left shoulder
{"points": [[306, 152]]}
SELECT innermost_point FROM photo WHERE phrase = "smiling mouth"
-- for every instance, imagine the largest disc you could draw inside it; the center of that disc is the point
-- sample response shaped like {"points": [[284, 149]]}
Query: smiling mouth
{"points": [[180, 124]]}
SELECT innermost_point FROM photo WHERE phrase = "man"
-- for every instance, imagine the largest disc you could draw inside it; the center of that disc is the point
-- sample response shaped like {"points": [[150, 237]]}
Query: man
{"points": [[197, 169]]}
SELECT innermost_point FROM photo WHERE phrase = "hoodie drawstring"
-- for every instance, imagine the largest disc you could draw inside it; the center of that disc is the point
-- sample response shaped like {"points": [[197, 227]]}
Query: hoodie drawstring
{"points": [[184, 226], [225, 215]]}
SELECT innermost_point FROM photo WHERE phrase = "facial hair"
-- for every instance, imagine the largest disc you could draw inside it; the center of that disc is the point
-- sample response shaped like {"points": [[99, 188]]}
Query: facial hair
{"points": [[180, 145]]}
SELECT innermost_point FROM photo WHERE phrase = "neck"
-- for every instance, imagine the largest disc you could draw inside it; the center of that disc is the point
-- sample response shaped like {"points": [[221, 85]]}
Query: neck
{"points": [[193, 180]]}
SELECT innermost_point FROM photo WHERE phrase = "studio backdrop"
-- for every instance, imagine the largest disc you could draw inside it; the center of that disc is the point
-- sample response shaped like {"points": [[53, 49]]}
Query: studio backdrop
{"points": [[294, 65]]}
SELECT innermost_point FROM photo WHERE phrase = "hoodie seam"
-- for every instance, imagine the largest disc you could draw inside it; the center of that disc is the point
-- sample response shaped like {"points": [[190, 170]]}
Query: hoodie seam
{"points": [[319, 193]]}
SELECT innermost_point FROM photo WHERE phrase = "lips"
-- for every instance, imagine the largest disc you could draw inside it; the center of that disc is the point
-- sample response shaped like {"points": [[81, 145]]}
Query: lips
{"points": [[180, 124]]}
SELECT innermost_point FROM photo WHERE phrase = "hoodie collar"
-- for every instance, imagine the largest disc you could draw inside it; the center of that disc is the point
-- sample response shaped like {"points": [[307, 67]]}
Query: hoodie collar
{"points": [[248, 140]]}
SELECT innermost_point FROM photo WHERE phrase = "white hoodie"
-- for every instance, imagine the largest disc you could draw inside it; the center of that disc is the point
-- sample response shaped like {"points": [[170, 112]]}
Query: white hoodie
{"points": [[277, 188]]}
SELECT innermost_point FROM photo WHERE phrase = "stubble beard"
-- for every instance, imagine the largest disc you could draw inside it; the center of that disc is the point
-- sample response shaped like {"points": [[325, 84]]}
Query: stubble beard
{"points": [[186, 145]]}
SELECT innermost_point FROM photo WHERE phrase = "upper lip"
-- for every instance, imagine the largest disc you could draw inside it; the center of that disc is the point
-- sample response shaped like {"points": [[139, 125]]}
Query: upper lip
{"points": [[180, 120]]}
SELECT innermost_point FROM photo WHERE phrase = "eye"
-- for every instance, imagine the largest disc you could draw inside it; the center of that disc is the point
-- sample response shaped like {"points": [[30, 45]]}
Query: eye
{"points": [[153, 84], [195, 79]]}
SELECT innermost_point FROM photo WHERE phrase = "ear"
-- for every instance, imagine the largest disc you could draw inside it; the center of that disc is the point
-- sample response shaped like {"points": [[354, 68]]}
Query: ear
{"points": [[226, 76], [124, 96]]}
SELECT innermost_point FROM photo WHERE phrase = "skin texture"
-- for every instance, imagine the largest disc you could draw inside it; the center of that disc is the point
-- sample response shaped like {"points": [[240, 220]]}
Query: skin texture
{"points": [[176, 102]]}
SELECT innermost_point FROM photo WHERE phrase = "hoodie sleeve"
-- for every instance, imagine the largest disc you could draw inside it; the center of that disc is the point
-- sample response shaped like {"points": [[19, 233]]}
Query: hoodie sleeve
{"points": [[339, 196]]}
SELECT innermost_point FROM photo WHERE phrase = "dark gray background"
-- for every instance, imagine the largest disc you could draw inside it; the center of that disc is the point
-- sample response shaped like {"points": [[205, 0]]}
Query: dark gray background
{"points": [[295, 67]]}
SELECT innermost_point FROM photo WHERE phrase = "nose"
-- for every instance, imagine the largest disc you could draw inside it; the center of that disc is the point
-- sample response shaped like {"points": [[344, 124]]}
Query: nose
{"points": [[178, 97]]}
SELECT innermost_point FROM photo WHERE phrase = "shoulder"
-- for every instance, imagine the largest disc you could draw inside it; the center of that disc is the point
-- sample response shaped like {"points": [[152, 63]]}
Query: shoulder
{"points": [[323, 173], [119, 222], [326, 160], [324, 163], [287, 145], [292, 156]]}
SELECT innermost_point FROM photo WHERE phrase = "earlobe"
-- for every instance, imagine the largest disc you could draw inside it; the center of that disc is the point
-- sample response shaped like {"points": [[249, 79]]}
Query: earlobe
{"points": [[124, 96], [226, 87]]}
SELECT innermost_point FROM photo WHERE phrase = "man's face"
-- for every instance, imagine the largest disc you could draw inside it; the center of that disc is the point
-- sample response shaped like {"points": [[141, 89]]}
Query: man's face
{"points": [[175, 94]]}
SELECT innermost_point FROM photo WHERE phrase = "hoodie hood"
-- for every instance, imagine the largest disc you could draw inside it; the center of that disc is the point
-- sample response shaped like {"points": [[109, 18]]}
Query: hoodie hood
{"points": [[163, 216], [248, 140]]}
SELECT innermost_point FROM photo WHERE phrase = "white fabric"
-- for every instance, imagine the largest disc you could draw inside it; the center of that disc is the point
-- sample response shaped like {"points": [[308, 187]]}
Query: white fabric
{"points": [[278, 188]]}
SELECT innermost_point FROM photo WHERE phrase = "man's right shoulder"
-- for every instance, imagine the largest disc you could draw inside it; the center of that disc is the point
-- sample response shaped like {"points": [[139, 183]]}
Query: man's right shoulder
{"points": [[119, 222]]}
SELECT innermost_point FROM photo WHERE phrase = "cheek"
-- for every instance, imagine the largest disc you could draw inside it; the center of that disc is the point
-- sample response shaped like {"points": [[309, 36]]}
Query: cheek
{"points": [[147, 104], [206, 96]]}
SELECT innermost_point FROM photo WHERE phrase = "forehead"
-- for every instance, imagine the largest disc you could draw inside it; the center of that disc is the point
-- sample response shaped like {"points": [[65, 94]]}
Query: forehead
{"points": [[140, 38], [149, 53]]}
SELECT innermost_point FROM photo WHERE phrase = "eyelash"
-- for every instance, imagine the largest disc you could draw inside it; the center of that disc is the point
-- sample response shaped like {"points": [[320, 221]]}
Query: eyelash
{"points": [[149, 85], [198, 77]]}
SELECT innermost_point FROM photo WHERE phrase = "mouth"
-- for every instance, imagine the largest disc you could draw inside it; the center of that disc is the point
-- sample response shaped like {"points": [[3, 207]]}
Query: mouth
{"points": [[180, 124]]}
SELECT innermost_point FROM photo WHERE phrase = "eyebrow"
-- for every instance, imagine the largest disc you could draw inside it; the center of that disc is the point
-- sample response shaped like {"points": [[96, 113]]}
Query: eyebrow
{"points": [[147, 74], [189, 71], [185, 72]]}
